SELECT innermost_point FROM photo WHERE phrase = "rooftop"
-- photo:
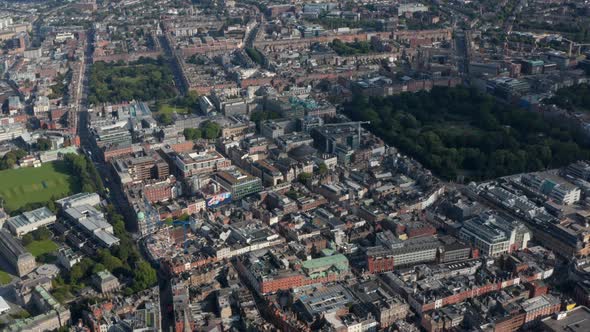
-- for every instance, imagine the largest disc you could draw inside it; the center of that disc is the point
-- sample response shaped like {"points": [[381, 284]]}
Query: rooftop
{"points": [[30, 217], [575, 320]]}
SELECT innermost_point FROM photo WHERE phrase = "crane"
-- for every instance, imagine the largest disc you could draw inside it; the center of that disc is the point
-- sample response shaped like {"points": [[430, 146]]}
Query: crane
{"points": [[572, 44], [185, 224], [359, 123]]}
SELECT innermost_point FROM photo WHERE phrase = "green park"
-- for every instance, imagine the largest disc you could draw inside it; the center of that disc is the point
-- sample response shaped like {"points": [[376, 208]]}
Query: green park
{"points": [[23, 186]]}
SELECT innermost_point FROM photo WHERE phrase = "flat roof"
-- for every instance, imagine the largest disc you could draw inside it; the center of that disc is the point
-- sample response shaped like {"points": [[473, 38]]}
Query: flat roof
{"points": [[30, 217], [106, 238], [338, 260], [575, 320]]}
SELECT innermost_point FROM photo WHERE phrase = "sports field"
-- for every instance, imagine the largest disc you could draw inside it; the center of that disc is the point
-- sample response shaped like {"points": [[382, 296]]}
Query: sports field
{"points": [[19, 187]]}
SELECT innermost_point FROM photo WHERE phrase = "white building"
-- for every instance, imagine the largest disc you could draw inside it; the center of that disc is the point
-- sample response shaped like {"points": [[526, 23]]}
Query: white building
{"points": [[494, 235], [92, 222], [411, 8], [79, 199], [554, 188], [30, 221]]}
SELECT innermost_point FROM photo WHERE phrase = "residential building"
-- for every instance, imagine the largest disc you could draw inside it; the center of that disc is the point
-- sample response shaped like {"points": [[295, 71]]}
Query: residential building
{"points": [[381, 301], [540, 307]]}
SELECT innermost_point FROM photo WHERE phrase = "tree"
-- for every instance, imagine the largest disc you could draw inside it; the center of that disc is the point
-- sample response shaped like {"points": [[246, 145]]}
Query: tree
{"points": [[463, 131], [43, 144], [90, 180], [292, 194], [211, 130], [144, 276], [98, 268], [11, 157], [42, 234], [255, 55], [192, 133], [110, 262], [166, 119], [80, 270], [323, 168], [144, 79], [304, 177], [27, 239]]}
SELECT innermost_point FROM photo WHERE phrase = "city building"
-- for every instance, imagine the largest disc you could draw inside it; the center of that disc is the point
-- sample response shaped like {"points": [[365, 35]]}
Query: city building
{"points": [[540, 307], [11, 249], [396, 253], [105, 282], [68, 258], [141, 168], [79, 199], [195, 163], [92, 222], [30, 221], [494, 235], [238, 182], [558, 190], [575, 320], [381, 301]]}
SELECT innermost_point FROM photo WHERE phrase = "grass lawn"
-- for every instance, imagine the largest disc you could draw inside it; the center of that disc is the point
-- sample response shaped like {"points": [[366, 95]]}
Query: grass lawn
{"points": [[170, 109], [38, 248], [19, 187], [5, 278]]}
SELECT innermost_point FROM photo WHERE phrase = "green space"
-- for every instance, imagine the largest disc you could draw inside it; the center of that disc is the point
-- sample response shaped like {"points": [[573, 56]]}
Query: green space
{"points": [[255, 55], [88, 178], [182, 105], [574, 98], [5, 277], [24, 186], [461, 133], [142, 80], [11, 158], [357, 47], [41, 247], [207, 130], [171, 109]]}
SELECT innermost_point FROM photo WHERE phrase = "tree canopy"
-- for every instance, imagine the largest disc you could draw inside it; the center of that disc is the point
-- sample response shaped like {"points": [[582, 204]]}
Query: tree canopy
{"points": [[11, 158], [90, 180], [463, 132], [357, 47], [255, 55], [574, 98], [144, 79], [207, 129]]}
